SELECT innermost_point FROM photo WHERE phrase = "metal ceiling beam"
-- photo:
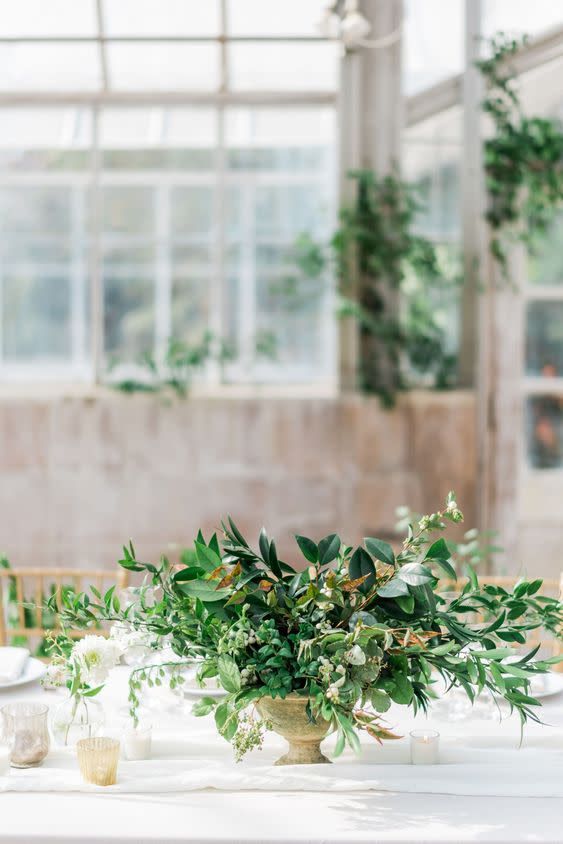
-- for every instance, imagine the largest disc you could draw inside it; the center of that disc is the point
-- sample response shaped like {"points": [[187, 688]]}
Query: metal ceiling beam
{"points": [[163, 98], [539, 51]]}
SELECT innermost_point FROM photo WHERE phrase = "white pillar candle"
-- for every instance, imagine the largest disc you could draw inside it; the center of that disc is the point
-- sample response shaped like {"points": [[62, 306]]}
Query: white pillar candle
{"points": [[425, 747], [137, 743], [4, 760]]}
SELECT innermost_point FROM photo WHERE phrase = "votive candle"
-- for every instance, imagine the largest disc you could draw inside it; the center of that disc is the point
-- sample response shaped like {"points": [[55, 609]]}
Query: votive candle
{"points": [[137, 742], [425, 747]]}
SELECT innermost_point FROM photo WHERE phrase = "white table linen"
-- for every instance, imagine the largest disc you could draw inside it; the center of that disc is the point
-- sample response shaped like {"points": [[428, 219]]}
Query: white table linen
{"points": [[339, 811]]}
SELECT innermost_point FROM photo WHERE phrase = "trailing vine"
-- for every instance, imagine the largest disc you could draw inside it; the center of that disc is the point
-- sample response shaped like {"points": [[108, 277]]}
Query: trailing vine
{"points": [[377, 251], [523, 158]]}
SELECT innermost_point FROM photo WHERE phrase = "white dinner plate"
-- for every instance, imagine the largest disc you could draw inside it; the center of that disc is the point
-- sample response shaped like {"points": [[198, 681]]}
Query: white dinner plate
{"points": [[211, 688], [34, 669], [546, 685]]}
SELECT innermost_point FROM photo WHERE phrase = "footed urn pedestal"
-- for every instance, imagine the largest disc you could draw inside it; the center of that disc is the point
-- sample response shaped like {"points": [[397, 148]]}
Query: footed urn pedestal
{"points": [[289, 719]]}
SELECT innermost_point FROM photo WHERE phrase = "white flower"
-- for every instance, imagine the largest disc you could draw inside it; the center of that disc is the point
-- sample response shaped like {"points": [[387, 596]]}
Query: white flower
{"points": [[94, 657], [355, 656], [452, 505]]}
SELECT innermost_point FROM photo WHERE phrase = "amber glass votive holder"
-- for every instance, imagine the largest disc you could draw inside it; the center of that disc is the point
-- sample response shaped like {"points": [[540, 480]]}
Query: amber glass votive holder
{"points": [[98, 759]]}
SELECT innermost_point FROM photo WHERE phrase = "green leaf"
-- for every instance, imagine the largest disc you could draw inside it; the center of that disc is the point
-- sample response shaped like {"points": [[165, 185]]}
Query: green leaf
{"points": [[221, 715], [309, 549], [189, 573], [415, 574], [401, 690], [361, 565], [393, 588], [380, 550], [406, 603], [264, 544], [229, 675], [438, 550], [494, 653], [206, 557], [329, 548], [380, 700], [204, 706], [446, 568], [340, 741], [205, 590]]}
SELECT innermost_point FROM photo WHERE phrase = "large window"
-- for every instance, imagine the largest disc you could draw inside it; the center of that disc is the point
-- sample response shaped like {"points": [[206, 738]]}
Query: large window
{"points": [[155, 176]]}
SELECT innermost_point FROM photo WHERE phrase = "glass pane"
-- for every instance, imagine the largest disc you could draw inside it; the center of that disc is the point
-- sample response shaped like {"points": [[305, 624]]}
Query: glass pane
{"points": [[433, 42], [161, 66], [35, 316], [45, 138], [280, 139], [45, 210], [158, 138], [291, 67], [190, 308], [161, 17], [434, 168], [44, 67], [288, 211], [192, 211], [546, 263], [129, 319], [544, 431], [291, 17], [544, 339], [128, 210], [42, 19], [520, 16]]}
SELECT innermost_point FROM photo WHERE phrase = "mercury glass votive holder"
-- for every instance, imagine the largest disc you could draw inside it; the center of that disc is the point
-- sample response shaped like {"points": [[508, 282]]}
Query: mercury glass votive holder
{"points": [[26, 731], [98, 759]]}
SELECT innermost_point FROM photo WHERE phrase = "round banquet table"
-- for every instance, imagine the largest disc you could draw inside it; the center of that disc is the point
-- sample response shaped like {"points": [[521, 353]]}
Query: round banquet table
{"points": [[217, 817]]}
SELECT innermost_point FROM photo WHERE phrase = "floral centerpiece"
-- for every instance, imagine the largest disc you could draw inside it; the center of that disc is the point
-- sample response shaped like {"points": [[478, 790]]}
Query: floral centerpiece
{"points": [[82, 667], [330, 644]]}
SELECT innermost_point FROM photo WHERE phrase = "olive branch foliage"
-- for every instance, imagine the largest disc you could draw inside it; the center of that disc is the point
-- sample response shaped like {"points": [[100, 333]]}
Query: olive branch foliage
{"points": [[355, 630]]}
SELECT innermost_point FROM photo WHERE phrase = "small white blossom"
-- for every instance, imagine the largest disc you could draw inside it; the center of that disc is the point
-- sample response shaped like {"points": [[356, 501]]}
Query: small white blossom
{"points": [[94, 657]]}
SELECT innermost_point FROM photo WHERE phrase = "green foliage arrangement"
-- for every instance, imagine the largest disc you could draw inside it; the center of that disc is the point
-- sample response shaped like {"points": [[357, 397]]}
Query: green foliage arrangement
{"points": [[523, 157], [174, 375], [376, 254], [352, 631]]}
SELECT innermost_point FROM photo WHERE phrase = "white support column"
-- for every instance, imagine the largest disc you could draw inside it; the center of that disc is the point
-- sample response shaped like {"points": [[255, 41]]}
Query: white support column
{"points": [[473, 205]]}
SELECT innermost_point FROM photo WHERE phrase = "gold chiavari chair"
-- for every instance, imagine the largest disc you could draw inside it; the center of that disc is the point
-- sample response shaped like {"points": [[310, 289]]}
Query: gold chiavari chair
{"points": [[551, 587], [32, 586]]}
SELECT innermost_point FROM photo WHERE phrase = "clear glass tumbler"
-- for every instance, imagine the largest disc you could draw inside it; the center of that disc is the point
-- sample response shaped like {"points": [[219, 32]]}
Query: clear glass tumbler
{"points": [[26, 730], [98, 759]]}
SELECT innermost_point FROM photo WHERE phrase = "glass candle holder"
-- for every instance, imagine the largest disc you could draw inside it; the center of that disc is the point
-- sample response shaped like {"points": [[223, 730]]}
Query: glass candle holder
{"points": [[425, 747], [5, 754], [137, 742], [26, 730], [98, 759]]}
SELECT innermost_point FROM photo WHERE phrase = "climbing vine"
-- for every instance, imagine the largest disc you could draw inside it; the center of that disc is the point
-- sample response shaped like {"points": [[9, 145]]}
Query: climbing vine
{"points": [[523, 158], [378, 255]]}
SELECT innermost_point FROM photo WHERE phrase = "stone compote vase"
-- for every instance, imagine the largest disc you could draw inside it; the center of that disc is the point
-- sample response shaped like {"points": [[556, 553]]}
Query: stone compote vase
{"points": [[289, 719]]}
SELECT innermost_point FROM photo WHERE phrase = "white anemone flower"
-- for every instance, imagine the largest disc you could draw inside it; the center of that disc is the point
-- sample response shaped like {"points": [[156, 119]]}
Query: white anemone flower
{"points": [[95, 656]]}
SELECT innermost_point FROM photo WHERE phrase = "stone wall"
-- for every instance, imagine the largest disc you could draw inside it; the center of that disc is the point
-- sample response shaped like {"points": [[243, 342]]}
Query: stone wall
{"points": [[80, 475]]}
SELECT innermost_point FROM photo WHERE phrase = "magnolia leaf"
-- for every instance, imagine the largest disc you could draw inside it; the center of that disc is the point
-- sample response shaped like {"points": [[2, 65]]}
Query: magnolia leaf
{"points": [[393, 588], [309, 549], [380, 550], [415, 574], [361, 567], [350, 585], [329, 548]]}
